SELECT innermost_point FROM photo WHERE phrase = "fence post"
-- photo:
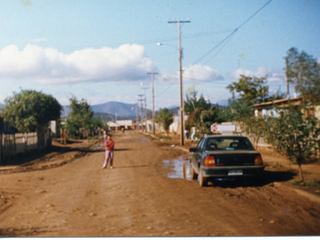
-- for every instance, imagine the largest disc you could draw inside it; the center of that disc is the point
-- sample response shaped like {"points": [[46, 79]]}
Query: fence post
{"points": [[64, 136]]}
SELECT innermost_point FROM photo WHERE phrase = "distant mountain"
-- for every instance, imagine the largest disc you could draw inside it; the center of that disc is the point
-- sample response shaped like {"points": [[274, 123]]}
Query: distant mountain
{"points": [[113, 110], [175, 110], [122, 111], [116, 108], [173, 106], [105, 116]]}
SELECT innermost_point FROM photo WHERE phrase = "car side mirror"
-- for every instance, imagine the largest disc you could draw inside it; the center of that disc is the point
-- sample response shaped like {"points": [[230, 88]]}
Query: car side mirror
{"points": [[192, 149]]}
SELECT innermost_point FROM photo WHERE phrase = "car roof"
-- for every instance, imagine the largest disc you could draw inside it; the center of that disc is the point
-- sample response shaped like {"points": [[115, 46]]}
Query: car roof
{"points": [[225, 136]]}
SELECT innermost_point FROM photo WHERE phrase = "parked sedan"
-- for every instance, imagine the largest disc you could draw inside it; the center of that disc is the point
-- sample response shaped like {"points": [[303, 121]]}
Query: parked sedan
{"points": [[222, 156]]}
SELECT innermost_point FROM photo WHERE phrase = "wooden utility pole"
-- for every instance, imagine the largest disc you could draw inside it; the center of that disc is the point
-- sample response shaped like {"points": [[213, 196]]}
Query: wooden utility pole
{"points": [[140, 100], [153, 113], [181, 87], [145, 107], [137, 116]]}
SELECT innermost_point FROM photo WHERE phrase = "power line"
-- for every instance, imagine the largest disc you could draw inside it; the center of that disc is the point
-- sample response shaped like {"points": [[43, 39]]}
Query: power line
{"points": [[233, 32], [167, 88], [148, 41]]}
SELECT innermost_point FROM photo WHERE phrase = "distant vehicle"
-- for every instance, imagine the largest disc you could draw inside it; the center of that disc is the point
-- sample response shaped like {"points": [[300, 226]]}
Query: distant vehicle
{"points": [[225, 157]]}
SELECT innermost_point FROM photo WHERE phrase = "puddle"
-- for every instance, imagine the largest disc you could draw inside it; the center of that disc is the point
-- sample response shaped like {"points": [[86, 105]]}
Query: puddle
{"points": [[180, 168]]}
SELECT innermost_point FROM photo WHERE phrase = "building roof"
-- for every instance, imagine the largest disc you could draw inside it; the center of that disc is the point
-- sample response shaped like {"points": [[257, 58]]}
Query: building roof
{"points": [[281, 102], [112, 124]]}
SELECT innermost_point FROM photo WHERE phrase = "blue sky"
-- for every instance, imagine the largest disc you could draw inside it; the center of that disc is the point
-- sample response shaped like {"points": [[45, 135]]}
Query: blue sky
{"points": [[101, 50]]}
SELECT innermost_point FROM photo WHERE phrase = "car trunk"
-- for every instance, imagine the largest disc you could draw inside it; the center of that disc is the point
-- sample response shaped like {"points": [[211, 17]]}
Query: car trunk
{"points": [[234, 158]]}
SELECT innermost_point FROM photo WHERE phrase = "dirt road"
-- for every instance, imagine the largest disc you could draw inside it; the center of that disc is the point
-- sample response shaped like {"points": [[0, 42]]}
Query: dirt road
{"points": [[137, 198]]}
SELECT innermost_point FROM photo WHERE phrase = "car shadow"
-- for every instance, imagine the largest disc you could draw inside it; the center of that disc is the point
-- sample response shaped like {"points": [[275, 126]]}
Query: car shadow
{"points": [[267, 178]]}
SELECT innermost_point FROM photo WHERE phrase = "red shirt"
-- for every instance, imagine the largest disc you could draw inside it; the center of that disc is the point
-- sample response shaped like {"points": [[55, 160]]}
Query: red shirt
{"points": [[109, 144]]}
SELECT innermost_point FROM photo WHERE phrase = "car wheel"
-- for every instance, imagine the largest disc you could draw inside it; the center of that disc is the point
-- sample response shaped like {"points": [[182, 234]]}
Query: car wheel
{"points": [[203, 181], [193, 174]]}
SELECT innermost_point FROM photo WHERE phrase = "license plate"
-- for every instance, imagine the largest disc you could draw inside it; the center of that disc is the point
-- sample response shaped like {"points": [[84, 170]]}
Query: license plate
{"points": [[235, 172]]}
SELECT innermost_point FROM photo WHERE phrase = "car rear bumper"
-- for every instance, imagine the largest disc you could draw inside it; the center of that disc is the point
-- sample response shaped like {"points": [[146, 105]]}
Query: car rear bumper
{"points": [[234, 171]]}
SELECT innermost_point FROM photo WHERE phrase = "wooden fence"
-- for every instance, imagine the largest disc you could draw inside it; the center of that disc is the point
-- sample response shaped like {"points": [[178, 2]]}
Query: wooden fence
{"points": [[13, 144]]}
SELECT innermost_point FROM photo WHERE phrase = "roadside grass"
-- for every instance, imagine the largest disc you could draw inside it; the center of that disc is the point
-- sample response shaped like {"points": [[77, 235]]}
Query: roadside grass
{"points": [[299, 183], [164, 137]]}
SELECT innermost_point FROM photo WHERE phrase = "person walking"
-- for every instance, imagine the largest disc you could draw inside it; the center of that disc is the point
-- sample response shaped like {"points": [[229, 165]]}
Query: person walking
{"points": [[194, 133], [109, 144], [186, 133], [104, 134]]}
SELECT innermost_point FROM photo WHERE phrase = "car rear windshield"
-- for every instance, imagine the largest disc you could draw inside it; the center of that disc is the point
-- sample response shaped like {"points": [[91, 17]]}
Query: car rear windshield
{"points": [[228, 143]]}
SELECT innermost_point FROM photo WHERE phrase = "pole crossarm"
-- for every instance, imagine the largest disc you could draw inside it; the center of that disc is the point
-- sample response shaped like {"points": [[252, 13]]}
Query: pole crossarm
{"points": [[179, 21]]}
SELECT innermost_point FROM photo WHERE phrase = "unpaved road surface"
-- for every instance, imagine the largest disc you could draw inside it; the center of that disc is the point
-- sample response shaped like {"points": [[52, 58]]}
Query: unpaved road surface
{"points": [[137, 198]]}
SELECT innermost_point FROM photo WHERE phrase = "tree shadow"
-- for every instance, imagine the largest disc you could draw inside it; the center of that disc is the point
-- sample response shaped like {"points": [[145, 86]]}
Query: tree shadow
{"points": [[122, 149], [102, 150], [24, 232], [36, 156], [267, 177], [39, 155]]}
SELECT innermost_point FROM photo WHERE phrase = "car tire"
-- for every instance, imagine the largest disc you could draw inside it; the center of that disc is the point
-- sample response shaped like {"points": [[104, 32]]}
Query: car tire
{"points": [[203, 181], [193, 174]]}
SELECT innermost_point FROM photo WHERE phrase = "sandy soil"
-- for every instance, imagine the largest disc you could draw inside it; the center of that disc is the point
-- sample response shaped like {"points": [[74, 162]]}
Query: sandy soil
{"points": [[67, 193]]}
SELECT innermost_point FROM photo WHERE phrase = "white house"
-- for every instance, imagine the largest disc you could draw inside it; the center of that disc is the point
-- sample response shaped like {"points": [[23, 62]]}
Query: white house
{"points": [[114, 126], [127, 124]]}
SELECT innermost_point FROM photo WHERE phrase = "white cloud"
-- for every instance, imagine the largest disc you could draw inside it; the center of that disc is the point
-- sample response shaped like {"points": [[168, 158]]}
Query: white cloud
{"points": [[194, 73], [201, 73], [48, 65], [273, 75]]}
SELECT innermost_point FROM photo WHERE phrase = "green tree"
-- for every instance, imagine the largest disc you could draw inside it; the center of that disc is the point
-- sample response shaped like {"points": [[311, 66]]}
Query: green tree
{"points": [[194, 106], [193, 102], [166, 118], [97, 122], [303, 70], [29, 109], [80, 116], [293, 135], [251, 90]]}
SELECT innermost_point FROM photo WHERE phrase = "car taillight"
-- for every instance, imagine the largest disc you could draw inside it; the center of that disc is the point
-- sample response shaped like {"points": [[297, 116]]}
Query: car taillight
{"points": [[258, 160], [209, 161]]}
